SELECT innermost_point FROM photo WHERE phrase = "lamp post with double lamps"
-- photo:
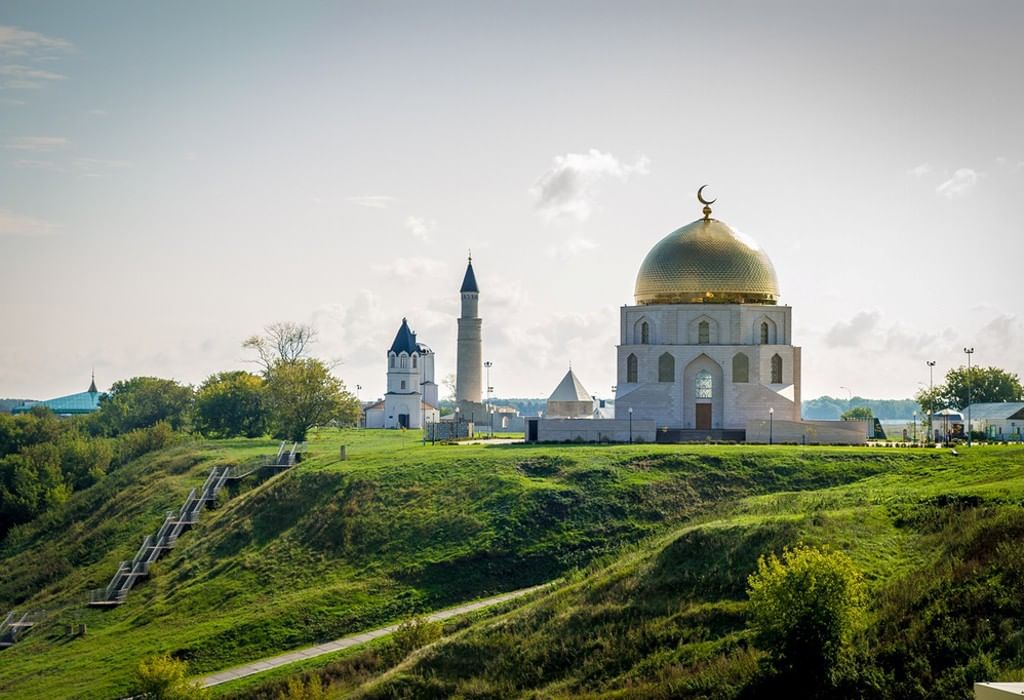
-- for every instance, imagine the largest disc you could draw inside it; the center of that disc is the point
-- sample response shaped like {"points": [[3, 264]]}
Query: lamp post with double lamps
{"points": [[771, 425], [969, 352]]}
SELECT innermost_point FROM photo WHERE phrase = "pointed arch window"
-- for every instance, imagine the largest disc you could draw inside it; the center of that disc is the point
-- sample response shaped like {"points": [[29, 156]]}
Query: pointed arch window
{"points": [[414, 361], [740, 368], [776, 369], [631, 369], [666, 368], [703, 333], [645, 333], [705, 385], [403, 361], [764, 332], [392, 362]]}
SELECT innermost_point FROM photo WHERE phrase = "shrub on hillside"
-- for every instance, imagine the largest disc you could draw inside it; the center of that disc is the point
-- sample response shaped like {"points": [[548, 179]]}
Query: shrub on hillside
{"points": [[136, 443], [410, 636], [163, 678], [805, 608]]}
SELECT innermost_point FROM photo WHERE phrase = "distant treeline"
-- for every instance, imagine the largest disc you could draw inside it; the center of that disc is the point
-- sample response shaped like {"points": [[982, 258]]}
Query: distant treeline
{"points": [[526, 407], [831, 408]]}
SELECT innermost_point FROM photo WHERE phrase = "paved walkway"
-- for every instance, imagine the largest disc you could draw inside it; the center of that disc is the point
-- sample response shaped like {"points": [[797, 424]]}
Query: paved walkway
{"points": [[346, 642]]}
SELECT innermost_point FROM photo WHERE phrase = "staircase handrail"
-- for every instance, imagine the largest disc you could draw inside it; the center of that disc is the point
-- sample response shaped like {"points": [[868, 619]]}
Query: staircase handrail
{"points": [[280, 451], [188, 502]]}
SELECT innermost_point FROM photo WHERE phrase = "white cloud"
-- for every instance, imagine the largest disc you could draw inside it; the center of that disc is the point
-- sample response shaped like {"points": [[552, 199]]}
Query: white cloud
{"points": [[920, 170], [25, 77], [15, 41], [571, 247], [852, 333], [12, 224], [22, 47], [962, 181], [568, 188], [97, 167], [414, 267], [373, 201], [36, 143], [420, 227]]}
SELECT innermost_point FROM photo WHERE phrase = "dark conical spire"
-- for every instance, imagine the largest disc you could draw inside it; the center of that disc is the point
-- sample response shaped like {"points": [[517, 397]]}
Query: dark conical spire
{"points": [[469, 281], [92, 384], [405, 339]]}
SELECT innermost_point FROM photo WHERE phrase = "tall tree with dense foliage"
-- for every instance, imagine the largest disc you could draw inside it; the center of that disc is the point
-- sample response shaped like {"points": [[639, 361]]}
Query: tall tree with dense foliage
{"points": [[303, 394], [140, 402], [988, 385], [805, 608], [230, 404]]}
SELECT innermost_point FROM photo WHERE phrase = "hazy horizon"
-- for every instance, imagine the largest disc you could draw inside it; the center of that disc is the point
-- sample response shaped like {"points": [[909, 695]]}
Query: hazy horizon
{"points": [[174, 177]]}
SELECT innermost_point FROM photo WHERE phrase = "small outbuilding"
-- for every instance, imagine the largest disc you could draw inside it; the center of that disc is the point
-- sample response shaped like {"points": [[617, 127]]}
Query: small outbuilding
{"points": [[570, 399]]}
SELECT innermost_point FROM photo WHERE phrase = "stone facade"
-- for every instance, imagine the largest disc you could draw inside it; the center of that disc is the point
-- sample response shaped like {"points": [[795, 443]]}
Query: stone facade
{"points": [[809, 432], [741, 353]]}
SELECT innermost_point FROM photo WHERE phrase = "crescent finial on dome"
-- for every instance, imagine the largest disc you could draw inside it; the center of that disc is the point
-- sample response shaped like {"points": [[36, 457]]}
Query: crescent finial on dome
{"points": [[706, 203]]}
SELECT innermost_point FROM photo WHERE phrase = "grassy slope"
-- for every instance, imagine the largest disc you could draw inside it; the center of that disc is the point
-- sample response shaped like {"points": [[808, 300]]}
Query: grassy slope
{"points": [[938, 538], [334, 547]]}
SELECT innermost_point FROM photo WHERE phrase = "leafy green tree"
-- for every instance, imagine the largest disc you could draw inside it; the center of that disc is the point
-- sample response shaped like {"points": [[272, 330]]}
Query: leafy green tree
{"points": [[988, 385], [304, 394], [140, 402], [84, 460], [163, 678], [858, 413], [805, 608], [230, 404], [31, 481]]}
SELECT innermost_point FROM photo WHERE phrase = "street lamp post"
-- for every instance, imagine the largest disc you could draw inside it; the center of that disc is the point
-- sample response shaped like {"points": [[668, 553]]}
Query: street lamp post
{"points": [[969, 352], [931, 398], [492, 420], [630, 425], [915, 427], [771, 425], [487, 366]]}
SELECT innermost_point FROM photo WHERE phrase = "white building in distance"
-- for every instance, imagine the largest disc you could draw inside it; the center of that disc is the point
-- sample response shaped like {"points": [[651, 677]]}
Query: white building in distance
{"points": [[411, 398]]}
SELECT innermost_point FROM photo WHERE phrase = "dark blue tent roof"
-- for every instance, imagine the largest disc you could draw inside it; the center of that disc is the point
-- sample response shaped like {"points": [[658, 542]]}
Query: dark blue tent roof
{"points": [[469, 281], [405, 340]]}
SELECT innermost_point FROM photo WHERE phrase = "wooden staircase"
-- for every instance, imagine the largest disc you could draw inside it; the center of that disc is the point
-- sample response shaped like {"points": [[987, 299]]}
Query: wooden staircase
{"points": [[16, 624], [176, 522]]}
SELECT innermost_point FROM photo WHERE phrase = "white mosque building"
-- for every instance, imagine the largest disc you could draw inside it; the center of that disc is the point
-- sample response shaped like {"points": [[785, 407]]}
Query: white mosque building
{"points": [[705, 351], [706, 346]]}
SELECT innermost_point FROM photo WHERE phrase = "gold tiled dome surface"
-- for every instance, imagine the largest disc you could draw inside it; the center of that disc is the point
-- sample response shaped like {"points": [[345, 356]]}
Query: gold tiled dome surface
{"points": [[706, 262]]}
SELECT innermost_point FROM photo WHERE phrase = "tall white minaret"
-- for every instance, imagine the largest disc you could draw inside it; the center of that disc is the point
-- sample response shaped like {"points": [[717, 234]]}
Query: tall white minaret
{"points": [[469, 366]]}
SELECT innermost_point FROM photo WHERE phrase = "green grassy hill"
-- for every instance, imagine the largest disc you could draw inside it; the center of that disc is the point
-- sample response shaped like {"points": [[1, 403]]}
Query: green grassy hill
{"points": [[335, 547], [938, 538]]}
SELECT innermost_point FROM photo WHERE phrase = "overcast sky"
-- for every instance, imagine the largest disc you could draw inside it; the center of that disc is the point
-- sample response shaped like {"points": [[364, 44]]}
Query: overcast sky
{"points": [[175, 176]]}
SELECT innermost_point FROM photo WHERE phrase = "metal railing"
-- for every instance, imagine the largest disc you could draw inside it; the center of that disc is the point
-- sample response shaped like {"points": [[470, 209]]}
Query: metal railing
{"points": [[166, 537]]}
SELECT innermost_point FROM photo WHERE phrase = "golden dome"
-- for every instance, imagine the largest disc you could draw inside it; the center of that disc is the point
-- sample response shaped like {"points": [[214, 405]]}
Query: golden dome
{"points": [[706, 262]]}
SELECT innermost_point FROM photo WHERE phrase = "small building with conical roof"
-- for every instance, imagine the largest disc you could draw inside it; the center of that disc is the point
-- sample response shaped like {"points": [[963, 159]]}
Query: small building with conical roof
{"points": [[570, 399]]}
